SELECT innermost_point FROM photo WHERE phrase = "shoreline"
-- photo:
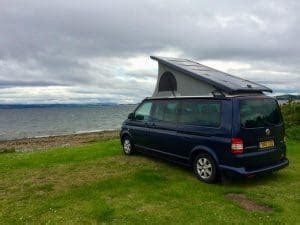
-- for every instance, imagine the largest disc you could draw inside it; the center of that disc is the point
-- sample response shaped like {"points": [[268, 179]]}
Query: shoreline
{"points": [[42, 143]]}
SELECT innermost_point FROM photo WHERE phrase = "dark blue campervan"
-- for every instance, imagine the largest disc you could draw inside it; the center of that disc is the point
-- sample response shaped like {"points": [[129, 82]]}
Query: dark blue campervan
{"points": [[241, 134]]}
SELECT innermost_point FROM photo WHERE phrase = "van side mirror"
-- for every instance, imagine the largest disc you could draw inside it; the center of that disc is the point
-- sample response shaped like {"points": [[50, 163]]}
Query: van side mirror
{"points": [[131, 116], [139, 117]]}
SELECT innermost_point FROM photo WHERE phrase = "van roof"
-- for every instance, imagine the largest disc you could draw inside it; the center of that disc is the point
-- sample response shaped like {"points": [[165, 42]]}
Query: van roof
{"points": [[221, 97], [220, 80]]}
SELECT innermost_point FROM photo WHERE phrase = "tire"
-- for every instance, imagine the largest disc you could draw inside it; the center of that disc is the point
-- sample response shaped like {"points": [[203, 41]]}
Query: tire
{"points": [[205, 168], [128, 147]]}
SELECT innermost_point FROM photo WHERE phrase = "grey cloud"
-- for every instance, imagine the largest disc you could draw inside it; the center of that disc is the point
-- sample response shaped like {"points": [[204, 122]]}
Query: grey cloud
{"points": [[51, 43], [13, 83], [96, 28]]}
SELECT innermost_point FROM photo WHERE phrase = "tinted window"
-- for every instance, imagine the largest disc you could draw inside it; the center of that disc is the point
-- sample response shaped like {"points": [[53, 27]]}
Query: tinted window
{"points": [[259, 113], [170, 114], [165, 111], [143, 112], [200, 113], [158, 111]]}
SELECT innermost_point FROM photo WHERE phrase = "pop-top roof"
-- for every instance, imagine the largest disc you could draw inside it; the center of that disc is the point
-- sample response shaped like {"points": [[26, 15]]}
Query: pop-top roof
{"points": [[220, 80]]}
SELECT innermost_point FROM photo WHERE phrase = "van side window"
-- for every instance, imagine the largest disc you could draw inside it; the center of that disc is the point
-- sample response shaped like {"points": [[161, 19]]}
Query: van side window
{"points": [[143, 112], [158, 111], [171, 112], [164, 111], [200, 113]]}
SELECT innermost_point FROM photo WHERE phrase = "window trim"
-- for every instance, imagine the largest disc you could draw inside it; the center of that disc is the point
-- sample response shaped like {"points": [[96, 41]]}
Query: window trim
{"points": [[180, 102]]}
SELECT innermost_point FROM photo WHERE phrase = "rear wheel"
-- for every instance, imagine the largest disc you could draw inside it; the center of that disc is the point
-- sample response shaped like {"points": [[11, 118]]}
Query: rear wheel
{"points": [[205, 168], [127, 146]]}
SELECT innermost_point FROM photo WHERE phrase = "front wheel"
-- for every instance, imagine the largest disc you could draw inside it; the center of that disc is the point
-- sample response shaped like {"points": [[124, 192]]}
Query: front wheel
{"points": [[205, 168], [127, 146]]}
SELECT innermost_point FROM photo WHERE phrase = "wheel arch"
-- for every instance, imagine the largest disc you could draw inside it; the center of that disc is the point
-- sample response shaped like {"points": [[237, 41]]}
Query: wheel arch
{"points": [[124, 134], [203, 149]]}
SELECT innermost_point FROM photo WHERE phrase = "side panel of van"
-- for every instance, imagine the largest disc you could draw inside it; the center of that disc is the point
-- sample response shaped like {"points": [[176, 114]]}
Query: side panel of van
{"points": [[214, 138], [163, 128]]}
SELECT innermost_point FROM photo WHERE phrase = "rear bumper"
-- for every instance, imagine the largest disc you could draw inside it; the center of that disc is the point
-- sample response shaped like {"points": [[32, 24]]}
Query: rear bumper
{"points": [[243, 172]]}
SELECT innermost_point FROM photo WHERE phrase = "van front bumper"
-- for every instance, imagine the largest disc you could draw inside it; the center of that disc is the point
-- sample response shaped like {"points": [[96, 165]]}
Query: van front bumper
{"points": [[242, 171]]}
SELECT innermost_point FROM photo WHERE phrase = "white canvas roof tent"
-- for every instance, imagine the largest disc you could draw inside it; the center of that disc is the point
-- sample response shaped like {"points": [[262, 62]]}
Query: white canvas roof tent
{"points": [[183, 77]]}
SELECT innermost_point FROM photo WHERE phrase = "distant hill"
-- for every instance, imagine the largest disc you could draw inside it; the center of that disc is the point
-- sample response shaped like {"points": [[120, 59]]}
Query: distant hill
{"points": [[288, 97], [22, 106]]}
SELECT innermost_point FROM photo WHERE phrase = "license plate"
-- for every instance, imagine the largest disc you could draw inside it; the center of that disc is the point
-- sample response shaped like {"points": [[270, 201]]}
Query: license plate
{"points": [[266, 144]]}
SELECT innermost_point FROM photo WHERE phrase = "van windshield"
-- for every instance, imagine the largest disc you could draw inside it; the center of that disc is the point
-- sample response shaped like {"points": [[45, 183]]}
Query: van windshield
{"points": [[259, 113]]}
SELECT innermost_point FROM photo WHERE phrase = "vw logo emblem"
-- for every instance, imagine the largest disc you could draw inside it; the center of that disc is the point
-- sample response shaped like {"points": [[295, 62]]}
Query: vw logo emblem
{"points": [[268, 132]]}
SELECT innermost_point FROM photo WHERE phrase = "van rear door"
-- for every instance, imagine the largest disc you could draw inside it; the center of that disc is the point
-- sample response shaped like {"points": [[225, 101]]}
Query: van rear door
{"points": [[262, 131]]}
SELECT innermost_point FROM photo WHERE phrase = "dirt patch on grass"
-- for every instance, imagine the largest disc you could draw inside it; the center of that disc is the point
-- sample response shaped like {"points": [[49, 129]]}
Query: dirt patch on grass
{"points": [[247, 203], [29, 144]]}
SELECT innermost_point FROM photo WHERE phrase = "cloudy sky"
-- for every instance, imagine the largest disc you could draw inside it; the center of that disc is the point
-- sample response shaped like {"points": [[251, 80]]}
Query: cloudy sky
{"points": [[98, 51]]}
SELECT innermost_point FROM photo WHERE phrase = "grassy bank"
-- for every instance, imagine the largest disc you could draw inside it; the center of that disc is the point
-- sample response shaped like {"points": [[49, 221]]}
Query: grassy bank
{"points": [[291, 116], [96, 183]]}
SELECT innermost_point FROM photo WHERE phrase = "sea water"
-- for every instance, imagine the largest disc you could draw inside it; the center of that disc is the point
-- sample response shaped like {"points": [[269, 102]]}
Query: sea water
{"points": [[18, 123]]}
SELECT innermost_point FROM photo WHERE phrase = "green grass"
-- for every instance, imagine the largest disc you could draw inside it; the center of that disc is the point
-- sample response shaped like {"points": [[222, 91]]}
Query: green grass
{"points": [[95, 183]]}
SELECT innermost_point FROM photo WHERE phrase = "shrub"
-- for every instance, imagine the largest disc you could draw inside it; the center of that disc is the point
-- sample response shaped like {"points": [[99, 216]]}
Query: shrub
{"points": [[291, 117]]}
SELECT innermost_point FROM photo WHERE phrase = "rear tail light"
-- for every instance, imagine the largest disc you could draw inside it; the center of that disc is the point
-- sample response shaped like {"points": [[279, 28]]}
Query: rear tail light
{"points": [[237, 146]]}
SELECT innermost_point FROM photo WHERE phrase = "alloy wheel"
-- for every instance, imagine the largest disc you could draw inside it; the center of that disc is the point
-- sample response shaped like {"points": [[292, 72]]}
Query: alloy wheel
{"points": [[204, 168], [127, 146]]}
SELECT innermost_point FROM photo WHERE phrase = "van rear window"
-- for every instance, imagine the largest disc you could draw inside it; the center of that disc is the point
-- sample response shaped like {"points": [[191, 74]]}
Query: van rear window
{"points": [[259, 113]]}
